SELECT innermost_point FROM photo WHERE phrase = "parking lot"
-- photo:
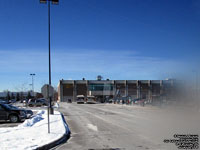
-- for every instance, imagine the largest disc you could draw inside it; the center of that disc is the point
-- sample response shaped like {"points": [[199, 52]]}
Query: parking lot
{"points": [[113, 126]]}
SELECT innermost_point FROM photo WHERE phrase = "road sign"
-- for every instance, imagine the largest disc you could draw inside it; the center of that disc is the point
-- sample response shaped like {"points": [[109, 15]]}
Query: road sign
{"points": [[47, 91]]}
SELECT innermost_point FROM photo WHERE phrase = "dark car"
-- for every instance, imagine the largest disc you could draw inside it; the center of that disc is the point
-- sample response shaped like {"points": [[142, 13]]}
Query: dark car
{"points": [[28, 112], [37, 103], [12, 101], [69, 101], [3, 101], [12, 113]]}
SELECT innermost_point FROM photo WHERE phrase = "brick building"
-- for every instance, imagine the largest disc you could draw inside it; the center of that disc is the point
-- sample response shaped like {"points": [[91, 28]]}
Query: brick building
{"points": [[107, 89]]}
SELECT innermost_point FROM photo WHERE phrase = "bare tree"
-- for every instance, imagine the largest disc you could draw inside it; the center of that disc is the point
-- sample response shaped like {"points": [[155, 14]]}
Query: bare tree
{"points": [[22, 87]]}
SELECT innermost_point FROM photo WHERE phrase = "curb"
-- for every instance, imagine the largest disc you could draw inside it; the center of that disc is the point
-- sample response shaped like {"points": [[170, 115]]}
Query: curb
{"points": [[59, 141]]}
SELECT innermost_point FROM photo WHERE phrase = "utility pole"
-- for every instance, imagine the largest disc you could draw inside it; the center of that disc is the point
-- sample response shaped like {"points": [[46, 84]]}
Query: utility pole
{"points": [[32, 74]]}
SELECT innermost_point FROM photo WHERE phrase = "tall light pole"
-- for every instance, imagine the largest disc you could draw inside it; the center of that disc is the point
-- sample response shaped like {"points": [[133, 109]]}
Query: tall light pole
{"points": [[32, 74], [49, 38], [196, 82]]}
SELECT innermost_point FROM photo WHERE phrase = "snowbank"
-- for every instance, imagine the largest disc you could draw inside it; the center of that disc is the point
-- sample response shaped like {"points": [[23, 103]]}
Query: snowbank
{"points": [[33, 132], [56, 105]]}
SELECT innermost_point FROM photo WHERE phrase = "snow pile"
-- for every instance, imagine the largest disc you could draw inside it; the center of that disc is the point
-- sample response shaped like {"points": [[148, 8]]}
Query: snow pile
{"points": [[30, 122], [56, 105], [33, 132]]}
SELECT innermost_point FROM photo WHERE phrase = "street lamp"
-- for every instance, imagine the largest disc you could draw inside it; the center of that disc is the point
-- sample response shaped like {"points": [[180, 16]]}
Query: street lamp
{"points": [[32, 74], [49, 37], [196, 82]]}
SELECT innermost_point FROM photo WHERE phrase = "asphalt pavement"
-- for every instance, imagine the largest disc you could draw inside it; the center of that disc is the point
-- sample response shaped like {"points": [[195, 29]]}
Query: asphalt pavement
{"points": [[121, 127]]}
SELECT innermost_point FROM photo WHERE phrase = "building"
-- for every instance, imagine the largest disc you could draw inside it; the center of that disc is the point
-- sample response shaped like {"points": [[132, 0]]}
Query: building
{"points": [[107, 89]]}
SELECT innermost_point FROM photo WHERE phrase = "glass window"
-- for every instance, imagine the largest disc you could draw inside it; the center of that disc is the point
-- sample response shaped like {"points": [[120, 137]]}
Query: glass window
{"points": [[100, 87]]}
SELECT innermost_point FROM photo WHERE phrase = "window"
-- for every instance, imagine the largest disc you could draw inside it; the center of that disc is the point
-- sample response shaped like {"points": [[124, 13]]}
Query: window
{"points": [[100, 87]]}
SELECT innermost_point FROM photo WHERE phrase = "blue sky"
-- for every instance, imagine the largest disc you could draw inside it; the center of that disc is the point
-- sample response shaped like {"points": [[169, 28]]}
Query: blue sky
{"points": [[118, 39]]}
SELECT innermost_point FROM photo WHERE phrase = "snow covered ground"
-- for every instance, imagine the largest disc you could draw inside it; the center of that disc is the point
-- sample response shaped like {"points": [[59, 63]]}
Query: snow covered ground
{"points": [[33, 132]]}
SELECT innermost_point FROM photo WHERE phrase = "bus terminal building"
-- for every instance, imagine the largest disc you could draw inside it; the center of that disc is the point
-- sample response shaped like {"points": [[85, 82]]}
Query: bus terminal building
{"points": [[103, 90]]}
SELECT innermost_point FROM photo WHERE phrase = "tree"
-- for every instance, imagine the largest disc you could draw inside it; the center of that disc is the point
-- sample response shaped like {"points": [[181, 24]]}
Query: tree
{"points": [[12, 96], [39, 95], [8, 95], [21, 95], [29, 95], [22, 87], [17, 97]]}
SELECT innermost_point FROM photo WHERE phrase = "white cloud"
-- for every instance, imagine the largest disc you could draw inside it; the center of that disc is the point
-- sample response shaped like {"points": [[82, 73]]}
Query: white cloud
{"points": [[76, 64], [78, 61], [127, 64]]}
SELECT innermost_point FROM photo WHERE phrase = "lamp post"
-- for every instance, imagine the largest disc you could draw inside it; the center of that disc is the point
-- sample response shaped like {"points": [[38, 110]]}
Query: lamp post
{"points": [[49, 45], [196, 82], [32, 74]]}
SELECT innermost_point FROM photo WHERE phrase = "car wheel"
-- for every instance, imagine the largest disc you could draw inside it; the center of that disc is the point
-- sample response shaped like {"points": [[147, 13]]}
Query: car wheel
{"points": [[13, 118]]}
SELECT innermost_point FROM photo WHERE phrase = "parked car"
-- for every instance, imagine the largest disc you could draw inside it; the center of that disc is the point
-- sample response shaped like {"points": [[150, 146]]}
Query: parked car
{"points": [[90, 100], [69, 101], [43, 101], [37, 103], [29, 113], [12, 113], [3, 101], [110, 101], [23, 100], [136, 101], [80, 99], [12, 101]]}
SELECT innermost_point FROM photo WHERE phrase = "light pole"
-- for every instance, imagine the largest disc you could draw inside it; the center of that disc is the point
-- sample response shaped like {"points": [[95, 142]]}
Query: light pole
{"points": [[196, 82], [32, 74], [49, 45]]}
